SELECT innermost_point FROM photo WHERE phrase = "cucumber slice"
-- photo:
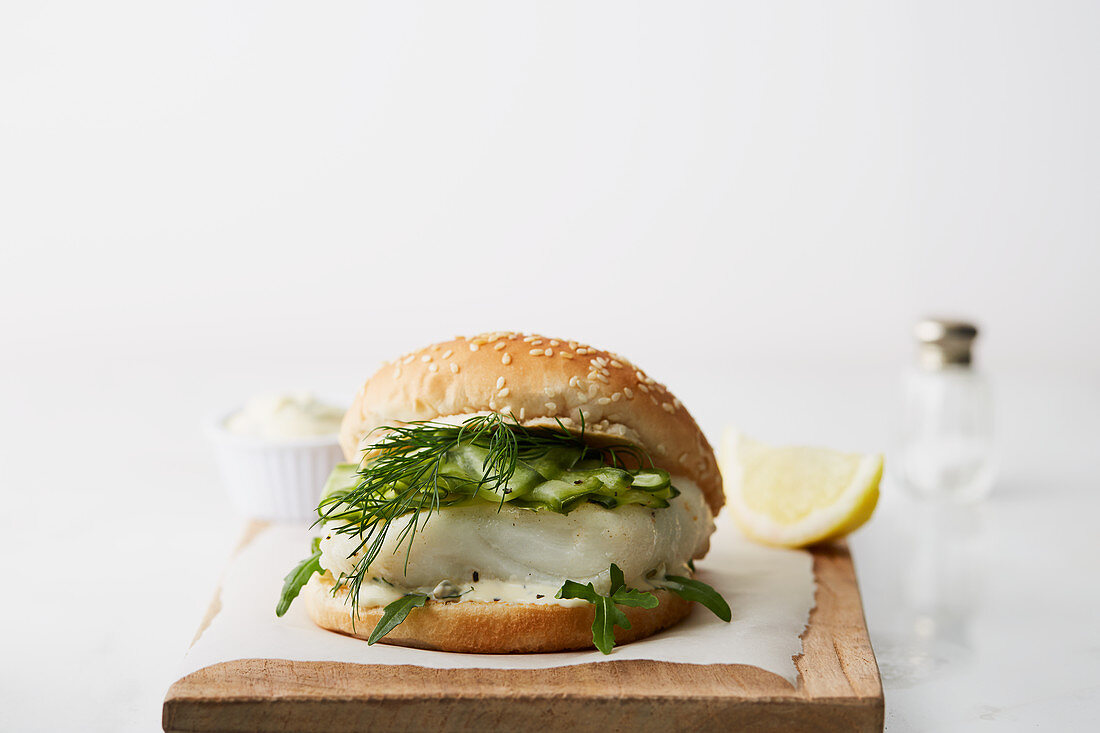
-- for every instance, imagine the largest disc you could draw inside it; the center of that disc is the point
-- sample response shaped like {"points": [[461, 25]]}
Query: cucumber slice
{"points": [[556, 495], [650, 479], [607, 481], [555, 460], [344, 478], [607, 502], [470, 461], [645, 498], [588, 464]]}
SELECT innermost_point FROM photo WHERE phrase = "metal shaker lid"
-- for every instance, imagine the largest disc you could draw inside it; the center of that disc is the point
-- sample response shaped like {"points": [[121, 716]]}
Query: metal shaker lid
{"points": [[945, 342]]}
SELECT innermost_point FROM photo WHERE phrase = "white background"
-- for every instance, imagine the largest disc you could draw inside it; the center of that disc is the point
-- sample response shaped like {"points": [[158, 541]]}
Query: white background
{"points": [[204, 201]]}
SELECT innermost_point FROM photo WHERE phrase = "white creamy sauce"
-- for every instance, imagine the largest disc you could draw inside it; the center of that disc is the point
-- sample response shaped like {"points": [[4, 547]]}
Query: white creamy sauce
{"points": [[524, 555], [291, 415]]}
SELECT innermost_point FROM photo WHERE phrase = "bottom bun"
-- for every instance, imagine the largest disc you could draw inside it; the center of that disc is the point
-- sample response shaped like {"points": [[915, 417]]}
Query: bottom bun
{"points": [[481, 627]]}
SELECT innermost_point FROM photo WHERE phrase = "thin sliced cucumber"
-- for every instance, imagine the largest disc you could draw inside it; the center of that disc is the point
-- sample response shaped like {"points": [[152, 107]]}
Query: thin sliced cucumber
{"points": [[650, 479], [645, 498], [470, 459], [344, 478], [555, 460], [559, 480], [607, 481], [557, 495]]}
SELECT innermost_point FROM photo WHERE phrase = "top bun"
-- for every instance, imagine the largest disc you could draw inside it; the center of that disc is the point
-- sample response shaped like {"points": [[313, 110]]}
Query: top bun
{"points": [[539, 380]]}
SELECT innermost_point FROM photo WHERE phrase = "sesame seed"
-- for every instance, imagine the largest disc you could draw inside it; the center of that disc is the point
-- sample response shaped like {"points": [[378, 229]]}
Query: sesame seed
{"points": [[603, 401], [602, 377], [500, 345], [506, 359], [573, 381], [683, 458], [677, 403], [535, 352], [554, 342], [628, 392], [529, 339], [667, 407], [500, 382], [549, 352], [616, 396], [615, 364], [522, 413], [582, 351], [492, 404], [551, 406], [504, 392], [426, 358], [644, 388], [454, 368], [473, 346], [408, 359], [433, 368], [565, 355], [447, 354]]}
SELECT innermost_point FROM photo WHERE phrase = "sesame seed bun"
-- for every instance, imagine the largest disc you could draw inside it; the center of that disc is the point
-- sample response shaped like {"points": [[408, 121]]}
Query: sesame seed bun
{"points": [[487, 628], [538, 379]]}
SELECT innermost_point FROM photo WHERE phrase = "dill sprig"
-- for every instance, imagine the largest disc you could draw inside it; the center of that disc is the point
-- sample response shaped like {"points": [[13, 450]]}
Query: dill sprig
{"points": [[412, 470]]}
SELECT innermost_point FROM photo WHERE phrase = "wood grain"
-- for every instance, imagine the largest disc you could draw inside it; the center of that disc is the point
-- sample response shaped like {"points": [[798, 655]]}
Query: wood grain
{"points": [[838, 688]]}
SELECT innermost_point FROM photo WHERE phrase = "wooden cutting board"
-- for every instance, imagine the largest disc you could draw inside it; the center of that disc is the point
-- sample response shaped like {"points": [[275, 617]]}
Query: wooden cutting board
{"points": [[838, 687]]}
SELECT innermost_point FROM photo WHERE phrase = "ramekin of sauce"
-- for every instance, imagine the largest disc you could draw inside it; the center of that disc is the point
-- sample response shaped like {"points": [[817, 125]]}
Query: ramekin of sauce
{"points": [[275, 453]]}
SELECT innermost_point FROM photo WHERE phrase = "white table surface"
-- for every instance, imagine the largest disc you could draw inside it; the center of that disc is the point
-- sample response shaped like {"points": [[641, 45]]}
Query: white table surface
{"points": [[115, 530]]}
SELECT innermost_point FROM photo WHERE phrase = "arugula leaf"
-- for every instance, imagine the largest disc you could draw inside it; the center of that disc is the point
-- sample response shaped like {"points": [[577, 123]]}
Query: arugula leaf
{"points": [[632, 597], [395, 613], [699, 592], [296, 579], [617, 580], [608, 615], [573, 589]]}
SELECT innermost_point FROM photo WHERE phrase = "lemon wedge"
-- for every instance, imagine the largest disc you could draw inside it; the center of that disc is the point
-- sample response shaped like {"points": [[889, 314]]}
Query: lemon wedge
{"points": [[793, 496]]}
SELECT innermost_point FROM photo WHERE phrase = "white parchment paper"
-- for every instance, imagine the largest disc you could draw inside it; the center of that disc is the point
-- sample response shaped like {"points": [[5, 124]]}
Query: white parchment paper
{"points": [[771, 592]]}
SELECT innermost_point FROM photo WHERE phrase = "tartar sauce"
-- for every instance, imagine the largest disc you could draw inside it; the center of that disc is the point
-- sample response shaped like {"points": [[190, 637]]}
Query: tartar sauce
{"points": [[290, 415]]}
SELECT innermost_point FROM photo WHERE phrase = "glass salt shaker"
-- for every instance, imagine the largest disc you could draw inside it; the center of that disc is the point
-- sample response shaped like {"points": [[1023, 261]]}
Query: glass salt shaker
{"points": [[947, 446]]}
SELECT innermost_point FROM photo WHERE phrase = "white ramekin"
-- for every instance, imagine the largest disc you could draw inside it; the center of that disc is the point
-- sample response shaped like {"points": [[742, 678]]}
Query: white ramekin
{"points": [[276, 480]]}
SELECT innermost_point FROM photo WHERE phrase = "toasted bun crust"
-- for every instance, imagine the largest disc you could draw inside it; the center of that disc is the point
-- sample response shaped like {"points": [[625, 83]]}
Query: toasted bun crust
{"points": [[487, 628], [537, 379]]}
